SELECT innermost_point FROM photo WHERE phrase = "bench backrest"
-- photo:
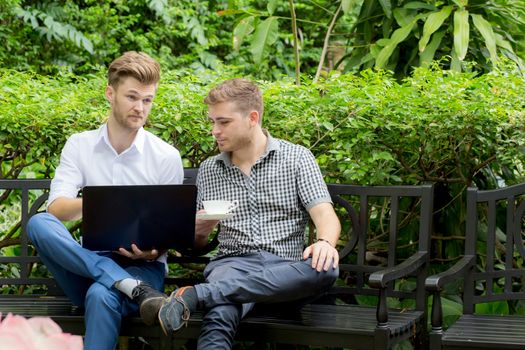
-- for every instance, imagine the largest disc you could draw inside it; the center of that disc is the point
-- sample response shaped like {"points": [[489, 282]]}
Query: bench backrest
{"points": [[494, 239], [27, 197], [374, 219], [382, 227], [23, 266]]}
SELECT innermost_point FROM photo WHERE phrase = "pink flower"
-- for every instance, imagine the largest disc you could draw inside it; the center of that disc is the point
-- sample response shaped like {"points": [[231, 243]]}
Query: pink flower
{"points": [[37, 333]]}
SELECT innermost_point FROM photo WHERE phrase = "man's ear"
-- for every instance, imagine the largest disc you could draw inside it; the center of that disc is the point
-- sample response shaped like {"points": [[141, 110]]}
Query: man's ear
{"points": [[254, 117], [110, 93]]}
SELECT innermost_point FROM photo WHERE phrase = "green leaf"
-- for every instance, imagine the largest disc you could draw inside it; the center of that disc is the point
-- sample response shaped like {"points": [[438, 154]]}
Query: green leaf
{"points": [[461, 33], [428, 53], [86, 44], [230, 11], [434, 22], [418, 5], [485, 28], [398, 36], [272, 5], [265, 35], [501, 42], [346, 6], [387, 7], [403, 16], [455, 65], [494, 308], [241, 30], [461, 3]]}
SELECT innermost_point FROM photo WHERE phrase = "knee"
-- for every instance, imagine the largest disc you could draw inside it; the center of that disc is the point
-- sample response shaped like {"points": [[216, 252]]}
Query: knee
{"points": [[36, 224], [99, 296], [330, 276]]}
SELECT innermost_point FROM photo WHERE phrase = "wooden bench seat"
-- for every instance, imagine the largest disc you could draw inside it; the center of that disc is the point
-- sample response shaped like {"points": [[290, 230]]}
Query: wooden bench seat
{"points": [[486, 332]]}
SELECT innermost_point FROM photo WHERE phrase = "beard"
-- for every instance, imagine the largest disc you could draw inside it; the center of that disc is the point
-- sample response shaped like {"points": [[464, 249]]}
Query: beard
{"points": [[235, 143], [127, 121]]}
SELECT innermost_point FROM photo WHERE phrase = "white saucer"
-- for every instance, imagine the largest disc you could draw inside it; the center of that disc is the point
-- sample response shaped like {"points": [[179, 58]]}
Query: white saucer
{"points": [[205, 216]]}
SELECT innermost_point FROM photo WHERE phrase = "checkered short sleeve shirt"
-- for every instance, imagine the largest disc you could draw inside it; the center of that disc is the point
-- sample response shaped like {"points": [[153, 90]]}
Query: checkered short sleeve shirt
{"points": [[273, 200]]}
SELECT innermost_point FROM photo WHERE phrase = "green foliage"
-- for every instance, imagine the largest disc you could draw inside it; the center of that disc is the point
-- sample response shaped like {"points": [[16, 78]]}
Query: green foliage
{"points": [[45, 24], [37, 114], [257, 36], [448, 128], [409, 33], [85, 35]]}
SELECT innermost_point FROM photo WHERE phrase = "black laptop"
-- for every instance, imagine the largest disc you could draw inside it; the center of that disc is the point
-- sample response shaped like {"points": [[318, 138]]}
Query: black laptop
{"points": [[151, 216]]}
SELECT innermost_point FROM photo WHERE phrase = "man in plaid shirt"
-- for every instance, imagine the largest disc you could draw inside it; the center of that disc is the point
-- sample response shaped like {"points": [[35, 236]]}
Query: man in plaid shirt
{"points": [[262, 256]]}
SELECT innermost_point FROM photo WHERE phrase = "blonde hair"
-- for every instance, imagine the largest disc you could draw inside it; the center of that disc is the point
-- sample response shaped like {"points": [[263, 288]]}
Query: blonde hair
{"points": [[243, 92], [134, 64]]}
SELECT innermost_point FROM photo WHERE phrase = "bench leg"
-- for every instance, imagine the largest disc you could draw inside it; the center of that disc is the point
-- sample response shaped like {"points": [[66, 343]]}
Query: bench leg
{"points": [[420, 338], [434, 340], [382, 338]]}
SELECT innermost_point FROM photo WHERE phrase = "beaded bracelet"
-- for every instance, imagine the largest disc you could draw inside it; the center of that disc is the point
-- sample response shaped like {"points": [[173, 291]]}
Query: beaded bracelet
{"points": [[324, 240]]}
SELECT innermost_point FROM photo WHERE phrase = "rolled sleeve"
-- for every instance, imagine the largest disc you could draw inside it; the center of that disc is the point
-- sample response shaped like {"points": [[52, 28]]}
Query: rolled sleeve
{"points": [[68, 177], [312, 189], [173, 172]]}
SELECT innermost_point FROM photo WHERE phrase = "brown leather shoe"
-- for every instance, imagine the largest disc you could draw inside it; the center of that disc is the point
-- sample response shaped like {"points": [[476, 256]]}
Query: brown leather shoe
{"points": [[149, 300]]}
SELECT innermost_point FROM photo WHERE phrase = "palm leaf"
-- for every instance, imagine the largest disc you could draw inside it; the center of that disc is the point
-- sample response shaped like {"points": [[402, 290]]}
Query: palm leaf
{"points": [[461, 33], [387, 7], [265, 35], [428, 53], [241, 30], [485, 28], [434, 22], [398, 36]]}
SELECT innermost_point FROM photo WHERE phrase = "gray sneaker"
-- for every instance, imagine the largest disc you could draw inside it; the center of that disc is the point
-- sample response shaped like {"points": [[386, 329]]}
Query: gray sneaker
{"points": [[174, 312], [149, 300]]}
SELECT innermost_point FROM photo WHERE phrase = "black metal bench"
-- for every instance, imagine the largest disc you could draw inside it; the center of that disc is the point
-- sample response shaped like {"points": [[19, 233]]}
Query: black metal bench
{"points": [[378, 301], [493, 260]]}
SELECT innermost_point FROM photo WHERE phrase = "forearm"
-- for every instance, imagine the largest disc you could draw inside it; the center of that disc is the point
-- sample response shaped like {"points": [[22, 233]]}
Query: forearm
{"points": [[203, 229], [329, 231], [326, 223], [66, 209]]}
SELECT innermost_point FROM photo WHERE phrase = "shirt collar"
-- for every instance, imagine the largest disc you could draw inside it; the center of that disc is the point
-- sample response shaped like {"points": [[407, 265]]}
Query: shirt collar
{"points": [[138, 142], [271, 145]]}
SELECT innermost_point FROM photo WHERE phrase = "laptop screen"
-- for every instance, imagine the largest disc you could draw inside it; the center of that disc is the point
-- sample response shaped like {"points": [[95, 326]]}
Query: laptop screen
{"points": [[151, 216]]}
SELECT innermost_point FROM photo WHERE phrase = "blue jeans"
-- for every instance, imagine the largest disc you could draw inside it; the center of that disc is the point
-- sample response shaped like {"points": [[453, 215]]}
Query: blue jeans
{"points": [[234, 284], [88, 278]]}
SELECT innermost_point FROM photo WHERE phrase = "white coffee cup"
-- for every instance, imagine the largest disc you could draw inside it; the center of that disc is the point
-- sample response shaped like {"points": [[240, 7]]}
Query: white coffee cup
{"points": [[219, 206]]}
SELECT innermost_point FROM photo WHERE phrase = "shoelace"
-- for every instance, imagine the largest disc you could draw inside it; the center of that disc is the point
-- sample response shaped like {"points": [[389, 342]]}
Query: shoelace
{"points": [[185, 311]]}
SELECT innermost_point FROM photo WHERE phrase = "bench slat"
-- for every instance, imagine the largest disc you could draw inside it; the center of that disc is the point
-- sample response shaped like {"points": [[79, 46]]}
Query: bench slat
{"points": [[486, 331]]}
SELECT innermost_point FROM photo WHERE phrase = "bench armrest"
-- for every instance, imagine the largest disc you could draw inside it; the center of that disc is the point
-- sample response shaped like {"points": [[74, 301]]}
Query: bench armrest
{"points": [[436, 282], [380, 279]]}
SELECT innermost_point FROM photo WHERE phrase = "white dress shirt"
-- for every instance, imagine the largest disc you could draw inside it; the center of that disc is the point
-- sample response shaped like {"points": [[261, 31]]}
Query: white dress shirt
{"points": [[89, 159]]}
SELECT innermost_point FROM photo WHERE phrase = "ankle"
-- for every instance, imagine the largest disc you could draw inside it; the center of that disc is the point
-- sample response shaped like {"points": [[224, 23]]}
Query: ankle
{"points": [[189, 295]]}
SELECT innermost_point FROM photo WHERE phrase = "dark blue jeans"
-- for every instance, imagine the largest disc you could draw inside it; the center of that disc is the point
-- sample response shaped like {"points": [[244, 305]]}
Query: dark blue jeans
{"points": [[88, 278], [234, 284]]}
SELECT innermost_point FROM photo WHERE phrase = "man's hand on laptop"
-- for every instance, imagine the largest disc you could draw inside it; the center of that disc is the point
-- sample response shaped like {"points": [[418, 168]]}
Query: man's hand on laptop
{"points": [[136, 253]]}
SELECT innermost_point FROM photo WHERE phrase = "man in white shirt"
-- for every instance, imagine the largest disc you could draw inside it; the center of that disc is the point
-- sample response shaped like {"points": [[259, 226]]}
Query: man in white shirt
{"points": [[109, 285]]}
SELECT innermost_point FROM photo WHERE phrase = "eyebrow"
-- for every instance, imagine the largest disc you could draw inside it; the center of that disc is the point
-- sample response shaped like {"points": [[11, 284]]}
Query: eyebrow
{"points": [[219, 118], [133, 91]]}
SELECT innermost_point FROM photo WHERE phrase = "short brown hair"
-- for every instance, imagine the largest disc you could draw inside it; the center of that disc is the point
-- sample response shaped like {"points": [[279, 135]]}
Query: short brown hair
{"points": [[134, 64], [243, 92]]}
